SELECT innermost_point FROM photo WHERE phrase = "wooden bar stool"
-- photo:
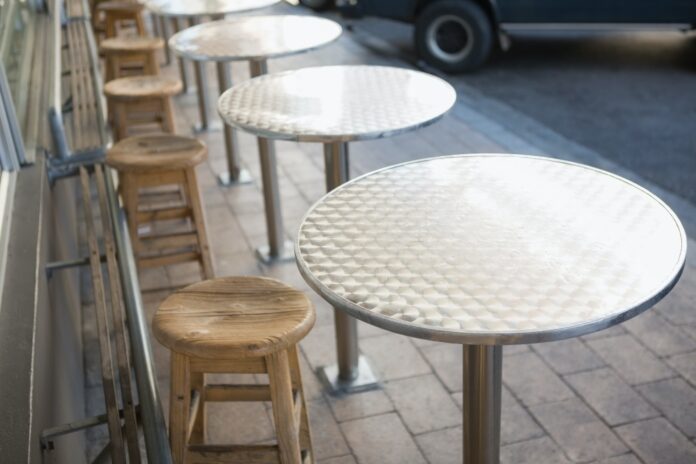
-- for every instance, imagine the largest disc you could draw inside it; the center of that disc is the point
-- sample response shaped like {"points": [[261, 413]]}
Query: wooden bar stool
{"points": [[141, 100], [175, 227], [119, 13], [131, 55], [241, 325]]}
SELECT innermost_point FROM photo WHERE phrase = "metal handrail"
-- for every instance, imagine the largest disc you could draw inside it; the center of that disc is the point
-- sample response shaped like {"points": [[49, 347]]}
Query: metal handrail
{"points": [[152, 415]]}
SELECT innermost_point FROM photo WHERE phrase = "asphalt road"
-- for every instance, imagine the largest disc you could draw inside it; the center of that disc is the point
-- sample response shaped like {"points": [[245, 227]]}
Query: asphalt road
{"points": [[629, 96]]}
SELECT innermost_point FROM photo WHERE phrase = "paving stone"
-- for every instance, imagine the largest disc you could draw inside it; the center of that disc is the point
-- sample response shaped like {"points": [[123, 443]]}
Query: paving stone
{"points": [[381, 440], [394, 357], [656, 441], [320, 346], [581, 434], [442, 446], [239, 423], [610, 332], [357, 405], [685, 364], [313, 389], [537, 451], [348, 459], [446, 360], [610, 396], [568, 356], [423, 403], [678, 306], [630, 359], [676, 399], [327, 439], [532, 381], [658, 335], [516, 424], [624, 459]]}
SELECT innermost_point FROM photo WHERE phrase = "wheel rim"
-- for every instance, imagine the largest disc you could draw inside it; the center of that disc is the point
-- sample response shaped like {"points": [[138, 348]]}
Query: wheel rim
{"points": [[450, 38]]}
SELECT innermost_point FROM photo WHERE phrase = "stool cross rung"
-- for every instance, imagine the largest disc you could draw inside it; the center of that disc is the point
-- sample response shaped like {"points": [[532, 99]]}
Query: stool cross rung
{"points": [[224, 392]]}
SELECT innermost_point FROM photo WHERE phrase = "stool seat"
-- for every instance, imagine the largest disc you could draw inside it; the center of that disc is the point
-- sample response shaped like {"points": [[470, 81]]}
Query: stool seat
{"points": [[233, 318], [123, 6], [131, 44], [139, 87], [156, 152]]}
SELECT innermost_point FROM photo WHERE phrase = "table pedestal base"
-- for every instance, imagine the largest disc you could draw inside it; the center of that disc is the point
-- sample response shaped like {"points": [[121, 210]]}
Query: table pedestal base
{"points": [[364, 380], [483, 367], [285, 254], [225, 179]]}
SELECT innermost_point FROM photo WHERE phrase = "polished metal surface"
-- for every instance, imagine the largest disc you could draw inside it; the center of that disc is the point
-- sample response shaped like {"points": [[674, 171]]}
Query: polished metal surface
{"points": [[336, 103], [235, 174], [481, 385], [189, 8], [491, 249], [254, 38], [352, 372]]}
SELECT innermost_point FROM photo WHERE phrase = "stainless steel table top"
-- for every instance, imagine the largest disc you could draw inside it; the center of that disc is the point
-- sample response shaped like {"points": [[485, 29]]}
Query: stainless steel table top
{"points": [[254, 38], [336, 103], [491, 249], [195, 8]]}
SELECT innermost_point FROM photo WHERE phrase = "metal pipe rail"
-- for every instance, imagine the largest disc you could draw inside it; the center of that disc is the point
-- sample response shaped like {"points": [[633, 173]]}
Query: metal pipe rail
{"points": [[152, 416]]}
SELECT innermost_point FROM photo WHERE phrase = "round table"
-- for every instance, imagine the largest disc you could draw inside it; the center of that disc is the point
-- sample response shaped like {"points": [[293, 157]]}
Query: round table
{"points": [[488, 250], [333, 105], [191, 11], [254, 39]]}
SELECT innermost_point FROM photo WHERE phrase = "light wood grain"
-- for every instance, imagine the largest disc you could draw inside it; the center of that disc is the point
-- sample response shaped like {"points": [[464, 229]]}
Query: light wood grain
{"points": [[233, 317], [139, 87], [287, 430], [156, 152]]}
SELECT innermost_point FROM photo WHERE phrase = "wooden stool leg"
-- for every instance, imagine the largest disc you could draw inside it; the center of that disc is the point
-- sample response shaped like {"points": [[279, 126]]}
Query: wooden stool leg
{"points": [[168, 124], [198, 434], [280, 384], [110, 26], [151, 64], [140, 24], [199, 220], [179, 404], [305, 433], [121, 114], [130, 202]]}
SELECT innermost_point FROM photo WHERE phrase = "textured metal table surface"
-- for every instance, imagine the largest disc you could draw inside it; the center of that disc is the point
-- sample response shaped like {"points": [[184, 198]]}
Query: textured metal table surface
{"points": [[336, 103], [194, 8], [254, 37], [491, 249]]}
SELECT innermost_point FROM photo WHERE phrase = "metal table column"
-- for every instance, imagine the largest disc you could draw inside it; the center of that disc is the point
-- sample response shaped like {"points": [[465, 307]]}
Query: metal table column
{"points": [[235, 174], [483, 369], [278, 248], [203, 97], [183, 65], [352, 371]]}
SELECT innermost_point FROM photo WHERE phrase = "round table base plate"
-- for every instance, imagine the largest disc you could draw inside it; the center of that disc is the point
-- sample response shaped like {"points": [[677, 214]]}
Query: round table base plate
{"points": [[225, 180], [263, 253], [366, 379]]}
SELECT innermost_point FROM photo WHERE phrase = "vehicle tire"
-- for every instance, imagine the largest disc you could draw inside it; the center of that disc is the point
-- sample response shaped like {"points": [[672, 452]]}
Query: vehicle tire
{"points": [[454, 36], [318, 5]]}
